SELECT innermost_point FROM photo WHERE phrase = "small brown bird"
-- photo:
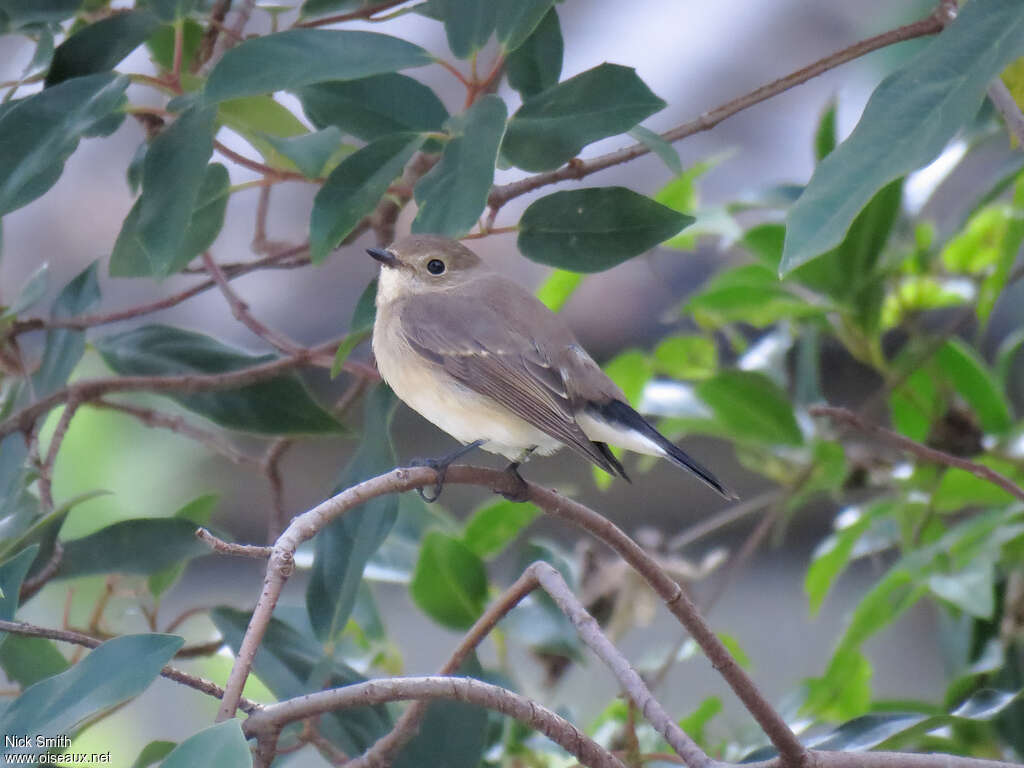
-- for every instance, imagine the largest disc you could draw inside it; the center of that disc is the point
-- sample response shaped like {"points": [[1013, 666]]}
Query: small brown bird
{"points": [[488, 363]]}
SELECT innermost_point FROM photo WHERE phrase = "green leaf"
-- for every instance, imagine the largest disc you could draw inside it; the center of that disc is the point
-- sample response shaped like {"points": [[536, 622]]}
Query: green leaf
{"points": [[30, 293], [21, 13], [556, 124], [360, 327], [100, 46], [826, 136], [695, 722], [197, 512], [112, 673], [450, 582], [142, 545], [558, 288], [916, 404], [665, 151], [751, 294], [171, 10], [630, 370], [590, 230], [219, 746], [12, 573], [288, 60], [751, 407], [906, 123], [883, 604], [976, 384], [64, 347], [318, 7], [832, 555], [494, 526], [310, 151], [346, 544], [280, 405], [161, 45], [517, 20], [130, 257], [153, 753], [27, 660], [959, 488], [536, 65], [256, 119], [686, 357], [291, 664], [174, 174], [373, 107], [972, 590], [468, 24], [396, 559], [40, 132], [453, 734], [844, 691], [354, 188], [454, 192]]}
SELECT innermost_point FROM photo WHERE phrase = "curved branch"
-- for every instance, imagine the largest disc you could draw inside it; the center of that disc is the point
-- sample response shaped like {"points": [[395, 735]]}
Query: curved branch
{"points": [[306, 525], [561, 731], [86, 641], [577, 169]]}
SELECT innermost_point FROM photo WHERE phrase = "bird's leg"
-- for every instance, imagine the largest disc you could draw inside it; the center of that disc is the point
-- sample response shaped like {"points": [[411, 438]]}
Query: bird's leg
{"points": [[521, 493], [440, 466]]}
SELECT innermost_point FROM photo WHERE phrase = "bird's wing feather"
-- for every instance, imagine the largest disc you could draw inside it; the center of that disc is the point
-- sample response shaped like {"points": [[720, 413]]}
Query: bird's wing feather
{"points": [[492, 357]]}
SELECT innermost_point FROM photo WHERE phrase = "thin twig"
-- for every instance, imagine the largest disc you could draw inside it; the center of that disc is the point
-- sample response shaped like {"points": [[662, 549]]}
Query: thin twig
{"points": [[1003, 100], [228, 548], [32, 585], [46, 468], [241, 312], [848, 417], [577, 169], [85, 641], [721, 519], [178, 424], [476, 692], [271, 468]]}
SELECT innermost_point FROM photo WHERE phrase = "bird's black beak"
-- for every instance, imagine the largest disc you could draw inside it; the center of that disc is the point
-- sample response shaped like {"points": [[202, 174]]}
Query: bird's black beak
{"points": [[386, 258]]}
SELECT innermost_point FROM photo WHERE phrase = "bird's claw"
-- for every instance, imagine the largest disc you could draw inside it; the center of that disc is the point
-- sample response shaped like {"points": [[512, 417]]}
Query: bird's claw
{"points": [[440, 467], [522, 491]]}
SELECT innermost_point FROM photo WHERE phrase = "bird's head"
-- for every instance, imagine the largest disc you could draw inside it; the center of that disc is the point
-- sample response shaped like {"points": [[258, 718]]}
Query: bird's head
{"points": [[424, 263]]}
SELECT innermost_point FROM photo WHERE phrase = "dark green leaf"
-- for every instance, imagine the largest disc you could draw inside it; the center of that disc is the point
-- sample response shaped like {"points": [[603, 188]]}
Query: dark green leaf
{"points": [[359, 328], [450, 582], [590, 230], [665, 151], [174, 173], [396, 559], [468, 24], [143, 545], [536, 65], [317, 7], [291, 664], [354, 188], [906, 123], [114, 672], [257, 117], [556, 124], [198, 513], [517, 20], [345, 545], [751, 407], [27, 660], [372, 107], [21, 13], [454, 192], [294, 58], [493, 527], [130, 259], [12, 573], [280, 405], [976, 384], [171, 10], [219, 746], [100, 46], [64, 347], [161, 44], [825, 137], [311, 151], [153, 753], [39, 133], [869, 730], [452, 734]]}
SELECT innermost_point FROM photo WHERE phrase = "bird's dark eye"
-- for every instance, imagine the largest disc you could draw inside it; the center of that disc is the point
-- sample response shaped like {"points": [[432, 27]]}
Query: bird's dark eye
{"points": [[435, 266]]}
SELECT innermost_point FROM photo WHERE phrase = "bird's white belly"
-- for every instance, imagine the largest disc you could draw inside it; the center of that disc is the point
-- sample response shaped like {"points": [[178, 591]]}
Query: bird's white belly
{"points": [[452, 406]]}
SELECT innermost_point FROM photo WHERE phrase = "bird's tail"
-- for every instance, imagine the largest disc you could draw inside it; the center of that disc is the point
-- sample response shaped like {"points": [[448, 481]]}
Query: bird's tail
{"points": [[621, 417]]}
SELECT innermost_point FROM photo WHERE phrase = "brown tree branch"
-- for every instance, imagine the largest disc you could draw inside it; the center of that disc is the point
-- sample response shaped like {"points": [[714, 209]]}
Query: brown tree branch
{"points": [[270, 465], [562, 732], [85, 641], [849, 418], [305, 526], [577, 169], [229, 548]]}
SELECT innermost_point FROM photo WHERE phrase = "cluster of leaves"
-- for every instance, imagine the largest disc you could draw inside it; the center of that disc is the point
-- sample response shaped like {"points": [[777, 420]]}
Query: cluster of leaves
{"points": [[861, 279]]}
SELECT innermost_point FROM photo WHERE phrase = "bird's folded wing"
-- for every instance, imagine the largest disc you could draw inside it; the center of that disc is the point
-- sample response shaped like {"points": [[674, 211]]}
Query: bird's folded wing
{"points": [[475, 344]]}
